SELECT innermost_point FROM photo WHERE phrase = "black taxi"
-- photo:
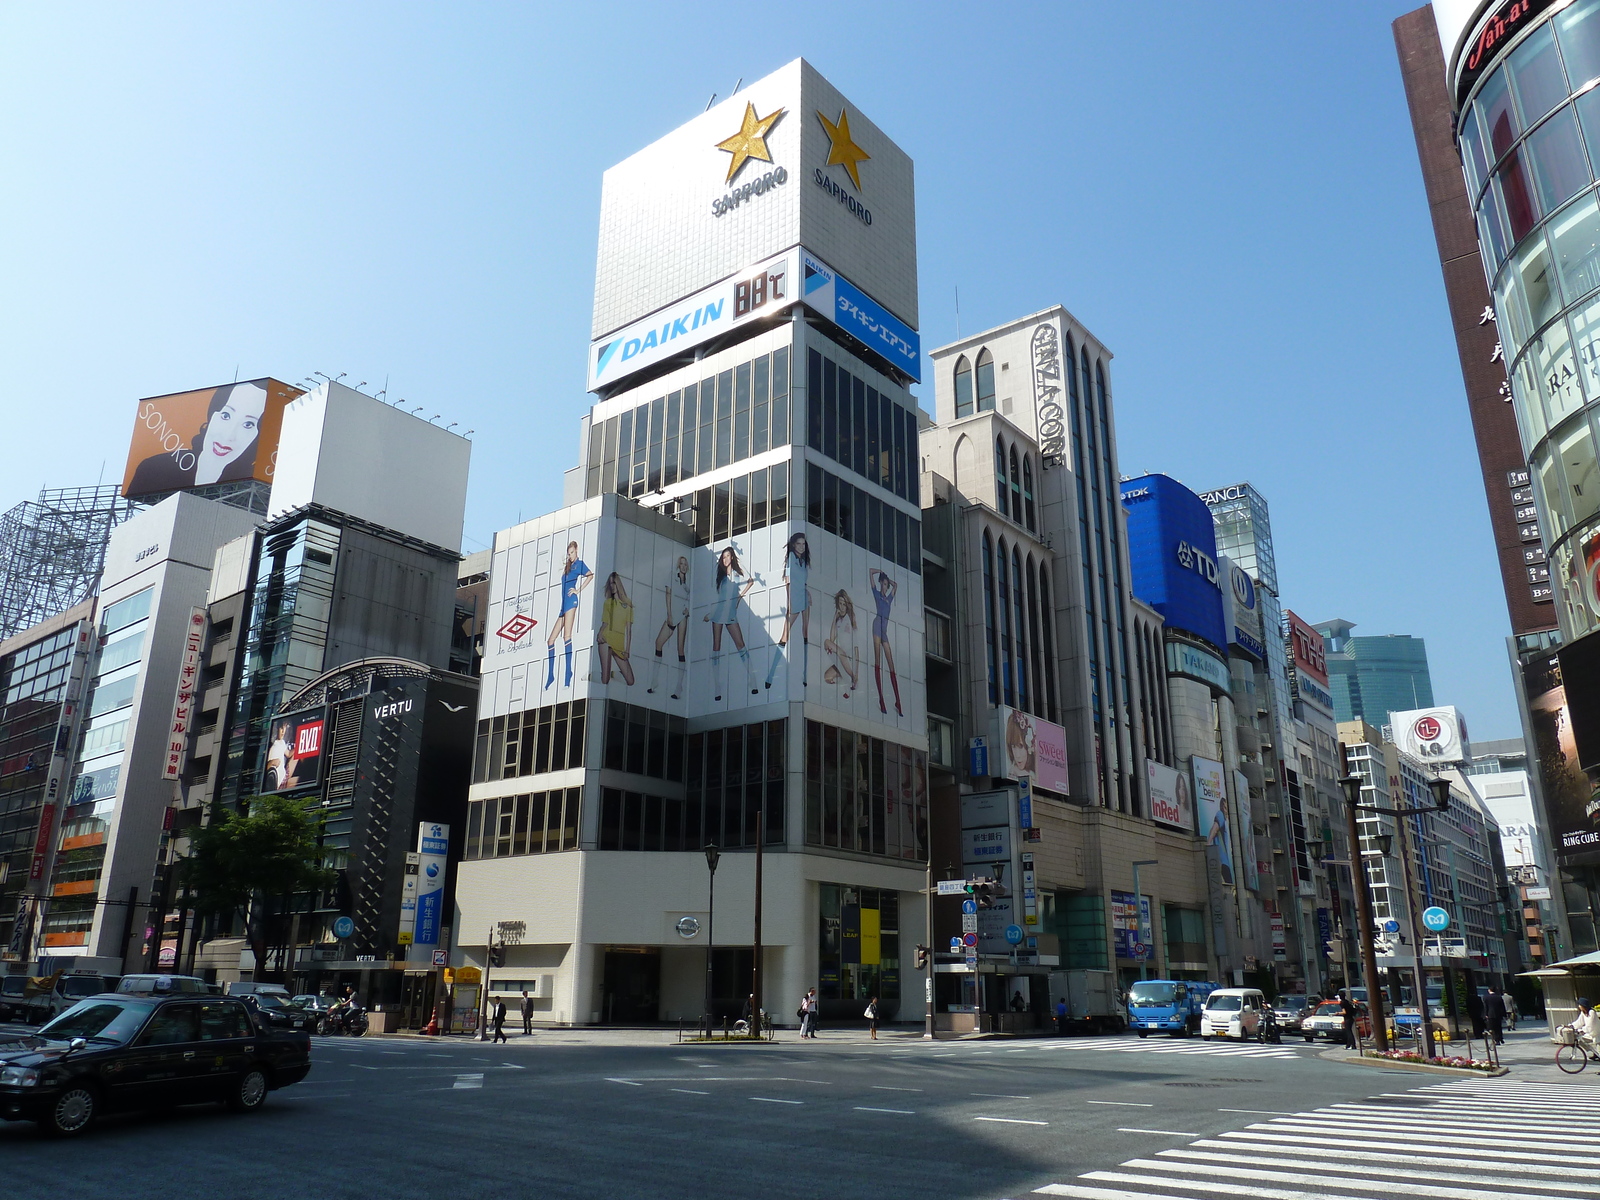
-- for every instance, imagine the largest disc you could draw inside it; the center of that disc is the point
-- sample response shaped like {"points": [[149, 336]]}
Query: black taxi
{"points": [[129, 1051]]}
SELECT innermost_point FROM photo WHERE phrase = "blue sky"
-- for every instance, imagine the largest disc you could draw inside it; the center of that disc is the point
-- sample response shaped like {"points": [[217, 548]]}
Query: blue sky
{"points": [[1229, 198]]}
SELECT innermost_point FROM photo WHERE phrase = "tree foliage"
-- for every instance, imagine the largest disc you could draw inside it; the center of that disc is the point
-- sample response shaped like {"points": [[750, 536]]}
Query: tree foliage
{"points": [[272, 849]]}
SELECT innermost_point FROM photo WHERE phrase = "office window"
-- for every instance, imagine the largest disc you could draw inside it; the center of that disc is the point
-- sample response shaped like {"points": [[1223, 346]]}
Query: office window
{"points": [[963, 387], [985, 381]]}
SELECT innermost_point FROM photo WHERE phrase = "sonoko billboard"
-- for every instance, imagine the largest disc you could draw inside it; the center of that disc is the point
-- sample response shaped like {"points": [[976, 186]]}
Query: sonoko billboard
{"points": [[224, 434]]}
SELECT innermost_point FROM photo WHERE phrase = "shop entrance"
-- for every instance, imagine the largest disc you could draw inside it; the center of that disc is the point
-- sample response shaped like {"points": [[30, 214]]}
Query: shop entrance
{"points": [[631, 991], [416, 1000]]}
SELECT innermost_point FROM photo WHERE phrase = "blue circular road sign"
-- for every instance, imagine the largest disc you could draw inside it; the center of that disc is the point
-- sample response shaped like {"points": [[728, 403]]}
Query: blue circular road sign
{"points": [[968, 907], [1014, 934], [1391, 926], [1436, 919], [343, 927]]}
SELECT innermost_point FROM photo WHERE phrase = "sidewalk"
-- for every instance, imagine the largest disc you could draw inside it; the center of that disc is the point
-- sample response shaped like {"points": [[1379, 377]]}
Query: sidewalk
{"points": [[1529, 1054], [655, 1035]]}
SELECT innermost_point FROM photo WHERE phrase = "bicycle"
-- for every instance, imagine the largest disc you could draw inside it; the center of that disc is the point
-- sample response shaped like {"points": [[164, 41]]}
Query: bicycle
{"points": [[1570, 1057]]}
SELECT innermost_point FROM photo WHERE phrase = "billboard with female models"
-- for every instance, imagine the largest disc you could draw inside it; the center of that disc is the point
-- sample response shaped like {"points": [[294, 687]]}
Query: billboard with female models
{"points": [[1032, 747], [224, 434], [1211, 794]]}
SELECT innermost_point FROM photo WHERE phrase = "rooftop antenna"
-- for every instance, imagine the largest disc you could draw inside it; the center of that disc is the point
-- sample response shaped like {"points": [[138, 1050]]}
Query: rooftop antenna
{"points": [[711, 101], [236, 372], [737, 86], [958, 312]]}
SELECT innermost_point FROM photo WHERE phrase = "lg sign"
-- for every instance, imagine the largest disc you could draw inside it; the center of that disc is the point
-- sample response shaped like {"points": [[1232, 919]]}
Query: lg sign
{"points": [[1427, 729]]}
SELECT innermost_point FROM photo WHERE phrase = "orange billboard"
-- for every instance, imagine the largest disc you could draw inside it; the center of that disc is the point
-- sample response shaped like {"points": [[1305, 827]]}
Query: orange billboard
{"points": [[224, 434]]}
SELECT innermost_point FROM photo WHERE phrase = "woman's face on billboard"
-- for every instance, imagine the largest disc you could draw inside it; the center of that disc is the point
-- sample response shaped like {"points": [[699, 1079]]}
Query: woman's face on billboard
{"points": [[232, 429]]}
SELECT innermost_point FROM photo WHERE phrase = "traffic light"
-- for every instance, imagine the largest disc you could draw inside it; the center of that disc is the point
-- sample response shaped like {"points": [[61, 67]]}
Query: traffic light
{"points": [[497, 956], [985, 893], [922, 958]]}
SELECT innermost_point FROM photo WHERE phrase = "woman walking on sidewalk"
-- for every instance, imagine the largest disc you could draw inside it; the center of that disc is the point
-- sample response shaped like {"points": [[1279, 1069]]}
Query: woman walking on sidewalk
{"points": [[808, 1014], [872, 1017]]}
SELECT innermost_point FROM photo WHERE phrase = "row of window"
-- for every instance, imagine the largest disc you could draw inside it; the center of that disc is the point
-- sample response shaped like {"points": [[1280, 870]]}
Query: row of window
{"points": [[1019, 628], [638, 821], [720, 420], [537, 823], [865, 794], [39, 671], [1013, 488], [734, 775], [856, 515], [739, 505], [643, 741], [530, 742], [964, 381], [861, 429]]}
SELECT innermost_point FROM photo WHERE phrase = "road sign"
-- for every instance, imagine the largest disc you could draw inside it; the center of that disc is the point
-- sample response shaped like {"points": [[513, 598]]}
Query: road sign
{"points": [[952, 887], [1140, 951], [969, 922], [972, 961], [969, 906], [440, 957], [1436, 919], [969, 939], [343, 927], [1391, 926], [955, 945], [1014, 934]]}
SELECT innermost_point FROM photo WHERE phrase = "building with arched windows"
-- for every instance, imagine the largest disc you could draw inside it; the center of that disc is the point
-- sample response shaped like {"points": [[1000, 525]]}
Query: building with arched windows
{"points": [[1054, 673]]}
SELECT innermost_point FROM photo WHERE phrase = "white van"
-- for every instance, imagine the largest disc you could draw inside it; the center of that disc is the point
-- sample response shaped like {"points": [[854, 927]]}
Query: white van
{"points": [[1233, 1013]]}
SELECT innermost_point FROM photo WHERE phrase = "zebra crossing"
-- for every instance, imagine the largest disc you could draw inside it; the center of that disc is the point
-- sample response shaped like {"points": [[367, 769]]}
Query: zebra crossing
{"points": [[1154, 1045], [1465, 1140]]}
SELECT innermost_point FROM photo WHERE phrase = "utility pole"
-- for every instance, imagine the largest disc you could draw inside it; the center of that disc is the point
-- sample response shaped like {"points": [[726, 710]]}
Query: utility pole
{"points": [[1419, 981], [755, 971]]}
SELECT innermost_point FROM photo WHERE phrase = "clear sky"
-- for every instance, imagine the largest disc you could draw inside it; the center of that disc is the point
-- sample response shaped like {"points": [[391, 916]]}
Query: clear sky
{"points": [[1229, 197]]}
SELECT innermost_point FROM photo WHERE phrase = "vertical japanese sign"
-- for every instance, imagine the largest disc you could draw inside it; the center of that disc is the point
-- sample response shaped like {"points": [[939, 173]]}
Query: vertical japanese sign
{"points": [[1030, 894], [194, 637], [433, 856], [1280, 946], [408, 899]]}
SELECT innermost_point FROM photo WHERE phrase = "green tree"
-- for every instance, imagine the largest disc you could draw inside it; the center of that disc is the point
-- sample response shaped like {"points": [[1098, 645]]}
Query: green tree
{"points": [[269, 851]]}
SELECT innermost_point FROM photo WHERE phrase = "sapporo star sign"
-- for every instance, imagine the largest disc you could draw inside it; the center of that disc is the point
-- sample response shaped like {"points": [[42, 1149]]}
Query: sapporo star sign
{"points": [[751, 140], [842, 150]]}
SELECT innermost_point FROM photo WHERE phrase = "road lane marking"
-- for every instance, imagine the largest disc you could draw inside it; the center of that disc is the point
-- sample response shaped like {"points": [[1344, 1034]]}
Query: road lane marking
{"points": [[691, 1092], [1162, 1132], [1010, 1121], [998, 1096], [468, 1081], [1121, 1103], [884, 1087], [773, 1100], [904, 1112], [629, 1082]]}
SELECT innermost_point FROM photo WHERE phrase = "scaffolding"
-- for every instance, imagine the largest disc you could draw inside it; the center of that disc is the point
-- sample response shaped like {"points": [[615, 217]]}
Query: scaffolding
{"points": [[52, 551]]}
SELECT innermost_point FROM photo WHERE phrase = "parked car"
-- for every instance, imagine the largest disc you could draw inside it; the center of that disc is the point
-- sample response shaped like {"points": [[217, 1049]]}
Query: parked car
{"points": [[12, 988], [1290, 1011], [277, 1011], [251, 988], [1327, 1022], [43, 998], [146, 1050], [1233, 1013]]}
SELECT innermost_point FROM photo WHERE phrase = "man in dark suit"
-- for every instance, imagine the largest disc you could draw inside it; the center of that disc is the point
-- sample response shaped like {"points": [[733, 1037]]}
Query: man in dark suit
{"points": [[527, 1014], [1494, 1015]]}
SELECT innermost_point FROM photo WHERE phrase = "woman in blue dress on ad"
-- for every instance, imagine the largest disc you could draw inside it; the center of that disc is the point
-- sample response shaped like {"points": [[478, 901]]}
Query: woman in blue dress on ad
{"points": [[732, 586], [796, 569], [574, 578], [883, 590]]}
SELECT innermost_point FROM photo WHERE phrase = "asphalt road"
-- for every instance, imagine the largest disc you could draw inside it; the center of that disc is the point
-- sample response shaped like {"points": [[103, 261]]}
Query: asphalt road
{"points": [[640, 1116]]}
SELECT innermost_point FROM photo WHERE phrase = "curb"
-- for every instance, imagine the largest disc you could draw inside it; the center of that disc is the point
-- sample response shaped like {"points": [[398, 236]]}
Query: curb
{"points": [[1395, 1064]]}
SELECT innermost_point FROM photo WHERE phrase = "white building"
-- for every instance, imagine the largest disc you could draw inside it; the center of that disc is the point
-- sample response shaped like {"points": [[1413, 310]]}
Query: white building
{"points": [[722, 630]]}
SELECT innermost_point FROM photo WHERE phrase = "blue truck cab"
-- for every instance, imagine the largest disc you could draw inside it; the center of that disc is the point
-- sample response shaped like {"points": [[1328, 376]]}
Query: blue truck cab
{"points": [[1167, 1005]]}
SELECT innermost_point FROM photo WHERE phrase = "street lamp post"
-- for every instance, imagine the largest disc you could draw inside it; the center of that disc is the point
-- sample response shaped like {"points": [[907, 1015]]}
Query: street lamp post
{"points": [[1138, 912], [712, 855]]}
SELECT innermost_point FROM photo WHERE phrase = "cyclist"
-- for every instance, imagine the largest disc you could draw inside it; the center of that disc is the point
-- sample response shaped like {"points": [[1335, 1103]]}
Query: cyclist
{"points": [[1586, 1025]]}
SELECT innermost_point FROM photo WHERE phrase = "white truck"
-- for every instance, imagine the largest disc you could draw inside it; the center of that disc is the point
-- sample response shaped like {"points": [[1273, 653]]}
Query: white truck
{"points": [[1093, 1004], [61, 982]]}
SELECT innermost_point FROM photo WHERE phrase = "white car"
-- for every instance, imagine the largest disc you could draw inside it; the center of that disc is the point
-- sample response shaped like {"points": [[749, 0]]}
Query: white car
{"points": [[1232, 1013]]}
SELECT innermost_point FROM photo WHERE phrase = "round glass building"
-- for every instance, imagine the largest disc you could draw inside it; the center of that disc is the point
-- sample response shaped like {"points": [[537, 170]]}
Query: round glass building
{"points": [[1527, 80]]}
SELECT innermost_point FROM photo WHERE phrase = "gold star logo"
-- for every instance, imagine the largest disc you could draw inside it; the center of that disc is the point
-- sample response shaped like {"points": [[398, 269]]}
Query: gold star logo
{"points": [[751, 140], [843, 151]]}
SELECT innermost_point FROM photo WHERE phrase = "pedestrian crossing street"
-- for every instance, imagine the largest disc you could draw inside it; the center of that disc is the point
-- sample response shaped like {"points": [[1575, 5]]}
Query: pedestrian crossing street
{"points": [[1151, 1045], [1473, 1139]]}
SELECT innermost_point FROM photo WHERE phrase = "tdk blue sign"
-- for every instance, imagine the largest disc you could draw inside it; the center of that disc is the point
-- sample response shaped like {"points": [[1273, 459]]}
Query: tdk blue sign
{"points": [[1172, 552]]}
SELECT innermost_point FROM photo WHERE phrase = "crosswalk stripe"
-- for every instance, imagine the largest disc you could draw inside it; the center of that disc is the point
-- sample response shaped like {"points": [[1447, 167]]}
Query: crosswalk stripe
{"points": [[1453, 1151], [1453, 1122], [1274, 1193], [1398, 1128], [1338, 1181], [1094, 1193], [1245, 1160], [1366, 1112], [1496, 1163]]}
